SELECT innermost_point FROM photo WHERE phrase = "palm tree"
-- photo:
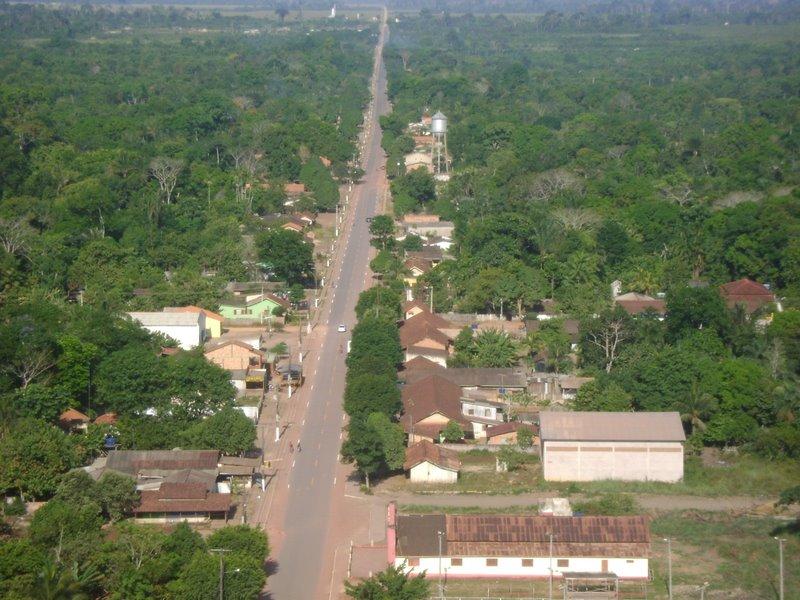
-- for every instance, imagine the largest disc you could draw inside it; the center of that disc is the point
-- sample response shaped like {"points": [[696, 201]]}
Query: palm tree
{"points": [[57, 583], [697, 407], [494, 349]]}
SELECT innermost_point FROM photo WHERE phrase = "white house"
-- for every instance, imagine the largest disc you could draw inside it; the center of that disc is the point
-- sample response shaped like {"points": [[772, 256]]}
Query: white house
{"points": [[623, 446], [186, 328], [482, 409], [519, 546], [429, 463]]}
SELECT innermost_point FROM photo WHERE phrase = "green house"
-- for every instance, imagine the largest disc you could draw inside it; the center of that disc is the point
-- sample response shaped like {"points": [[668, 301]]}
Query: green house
{"points": [[258, 307]]}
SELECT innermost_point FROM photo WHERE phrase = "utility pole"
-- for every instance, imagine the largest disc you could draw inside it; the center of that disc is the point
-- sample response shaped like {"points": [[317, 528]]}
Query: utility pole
{"points": [[703, 591], [441, 581], [220, 551], [669, 566], [780, 566], [277, 419], [550, 593]]}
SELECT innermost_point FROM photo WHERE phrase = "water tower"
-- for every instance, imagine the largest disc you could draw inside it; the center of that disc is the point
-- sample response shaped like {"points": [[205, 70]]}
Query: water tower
{"points": [[439, 131]]}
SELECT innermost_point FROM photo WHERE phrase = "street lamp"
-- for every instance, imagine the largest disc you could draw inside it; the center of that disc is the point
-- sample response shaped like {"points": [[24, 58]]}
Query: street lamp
{"points": [[781, 541], [440, 534], [669, 566], [703, 591], [220, 551]]}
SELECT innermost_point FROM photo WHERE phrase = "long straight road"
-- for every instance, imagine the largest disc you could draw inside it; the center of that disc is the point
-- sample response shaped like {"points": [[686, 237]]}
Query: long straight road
{"points": [[302, 559]]}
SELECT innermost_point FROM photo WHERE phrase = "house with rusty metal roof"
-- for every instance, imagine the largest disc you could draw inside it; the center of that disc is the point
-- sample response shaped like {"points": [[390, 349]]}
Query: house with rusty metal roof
{"points": [[622, 446], [427, 462], [502, 379], [421, 335], [192, 502], [635, 303], [519, 546]]}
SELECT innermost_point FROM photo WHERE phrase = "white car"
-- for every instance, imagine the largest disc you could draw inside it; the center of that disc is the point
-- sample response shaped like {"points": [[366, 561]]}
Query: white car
{"points": [[342, 328]]}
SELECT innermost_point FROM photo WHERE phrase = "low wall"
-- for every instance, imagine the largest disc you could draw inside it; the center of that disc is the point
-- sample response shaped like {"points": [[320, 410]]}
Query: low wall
{"points": [[490, 447]]}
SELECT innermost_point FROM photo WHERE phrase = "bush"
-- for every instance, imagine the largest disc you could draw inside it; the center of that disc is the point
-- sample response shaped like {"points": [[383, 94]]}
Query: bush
{"points": [[611, 505], [16, 508]]}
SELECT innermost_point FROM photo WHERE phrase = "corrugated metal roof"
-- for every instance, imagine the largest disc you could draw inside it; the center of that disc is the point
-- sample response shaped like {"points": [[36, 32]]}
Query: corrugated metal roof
{"points": [[611, 426], [426, 451], [175, 319]]}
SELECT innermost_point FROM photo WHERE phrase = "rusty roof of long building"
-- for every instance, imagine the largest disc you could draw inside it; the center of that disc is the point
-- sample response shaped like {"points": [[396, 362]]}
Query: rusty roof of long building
{"points": [[523, 535]]}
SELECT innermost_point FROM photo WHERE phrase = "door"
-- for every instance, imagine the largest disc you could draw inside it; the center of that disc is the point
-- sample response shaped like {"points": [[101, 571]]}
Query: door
{"points": [[604, 566]]}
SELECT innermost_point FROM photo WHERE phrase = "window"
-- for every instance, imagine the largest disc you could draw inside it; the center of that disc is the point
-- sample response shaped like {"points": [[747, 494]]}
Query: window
{"points": [[470, 411], [491, 562], [563, 562], [630, 561], [527, 562], [456, 562], [487, 412], [413, 562]]}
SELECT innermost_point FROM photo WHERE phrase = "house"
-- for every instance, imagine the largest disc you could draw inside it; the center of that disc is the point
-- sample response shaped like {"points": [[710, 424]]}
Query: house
{"points": [[234, 354], [429, 227], [306, 217], [747, 294], [622, 446], [151, 468], [428, 406], [410, 219], [294, 189], [415, 268], [570, 384], [73, 421], [519, 546], [172, 502], [501, 380], [433, 254], [186, 328], [253, 307], [213, 320], [108, 418], [482, 408], [295, 224], [506, 433], [412, 308], [238, 470], [634, 303], [427, 462], [422, 336]]}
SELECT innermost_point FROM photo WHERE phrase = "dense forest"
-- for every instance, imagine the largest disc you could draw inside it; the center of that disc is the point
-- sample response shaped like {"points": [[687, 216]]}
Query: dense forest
{"points": [[660, 158]]}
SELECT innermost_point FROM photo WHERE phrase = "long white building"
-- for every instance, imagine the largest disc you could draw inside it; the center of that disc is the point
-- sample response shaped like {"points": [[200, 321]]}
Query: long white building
{"points": [[623, 446], [519, 546], [186, 328]]}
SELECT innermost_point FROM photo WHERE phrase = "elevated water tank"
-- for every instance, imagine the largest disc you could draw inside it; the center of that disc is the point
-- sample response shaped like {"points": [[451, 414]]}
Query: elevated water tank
{"points": [[438, 123]]}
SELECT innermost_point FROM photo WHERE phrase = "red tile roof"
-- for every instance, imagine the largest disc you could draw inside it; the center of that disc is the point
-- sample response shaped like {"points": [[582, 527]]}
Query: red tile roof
{"points": [[509, 427], [109, 418], [426, 451], [429, 396], [420, 362], [418, 328], [71, 415], [746, 292], [634, 303]]}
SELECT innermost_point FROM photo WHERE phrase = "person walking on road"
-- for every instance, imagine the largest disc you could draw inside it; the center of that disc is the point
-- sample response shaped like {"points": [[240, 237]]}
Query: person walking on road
{"points": [[299, 447], [291, 447]]}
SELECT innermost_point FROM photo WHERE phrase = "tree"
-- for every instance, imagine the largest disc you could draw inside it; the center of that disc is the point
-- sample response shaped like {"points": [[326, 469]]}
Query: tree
{"points": [[494, 349], [199, 579], [142, 543], [166, 170], [696, 308], [510, 457], [117, 495], [596, 396], [367, 393], [241, 539], [392, 584], [452, 432], [606, 333], [41, 401], [58, 523], [229, 431], [392, 439], [200, 386], [288, 254], [33, 456], [364, 448], [132, 380], [282, 12], [524, 437], [381, 228], [75, 365]]}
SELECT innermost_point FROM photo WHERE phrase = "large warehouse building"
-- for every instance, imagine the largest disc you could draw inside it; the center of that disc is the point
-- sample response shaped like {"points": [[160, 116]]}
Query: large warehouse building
{"points": [[624, 446]]}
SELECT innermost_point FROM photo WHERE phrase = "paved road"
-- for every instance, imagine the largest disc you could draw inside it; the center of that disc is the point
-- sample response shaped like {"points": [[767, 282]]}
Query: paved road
{"points": [[301, 559]]}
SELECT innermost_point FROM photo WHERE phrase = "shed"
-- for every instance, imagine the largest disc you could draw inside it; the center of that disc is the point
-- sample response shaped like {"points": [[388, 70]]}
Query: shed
{"points": [[429, 463], [186, 328], [622, 446]]}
